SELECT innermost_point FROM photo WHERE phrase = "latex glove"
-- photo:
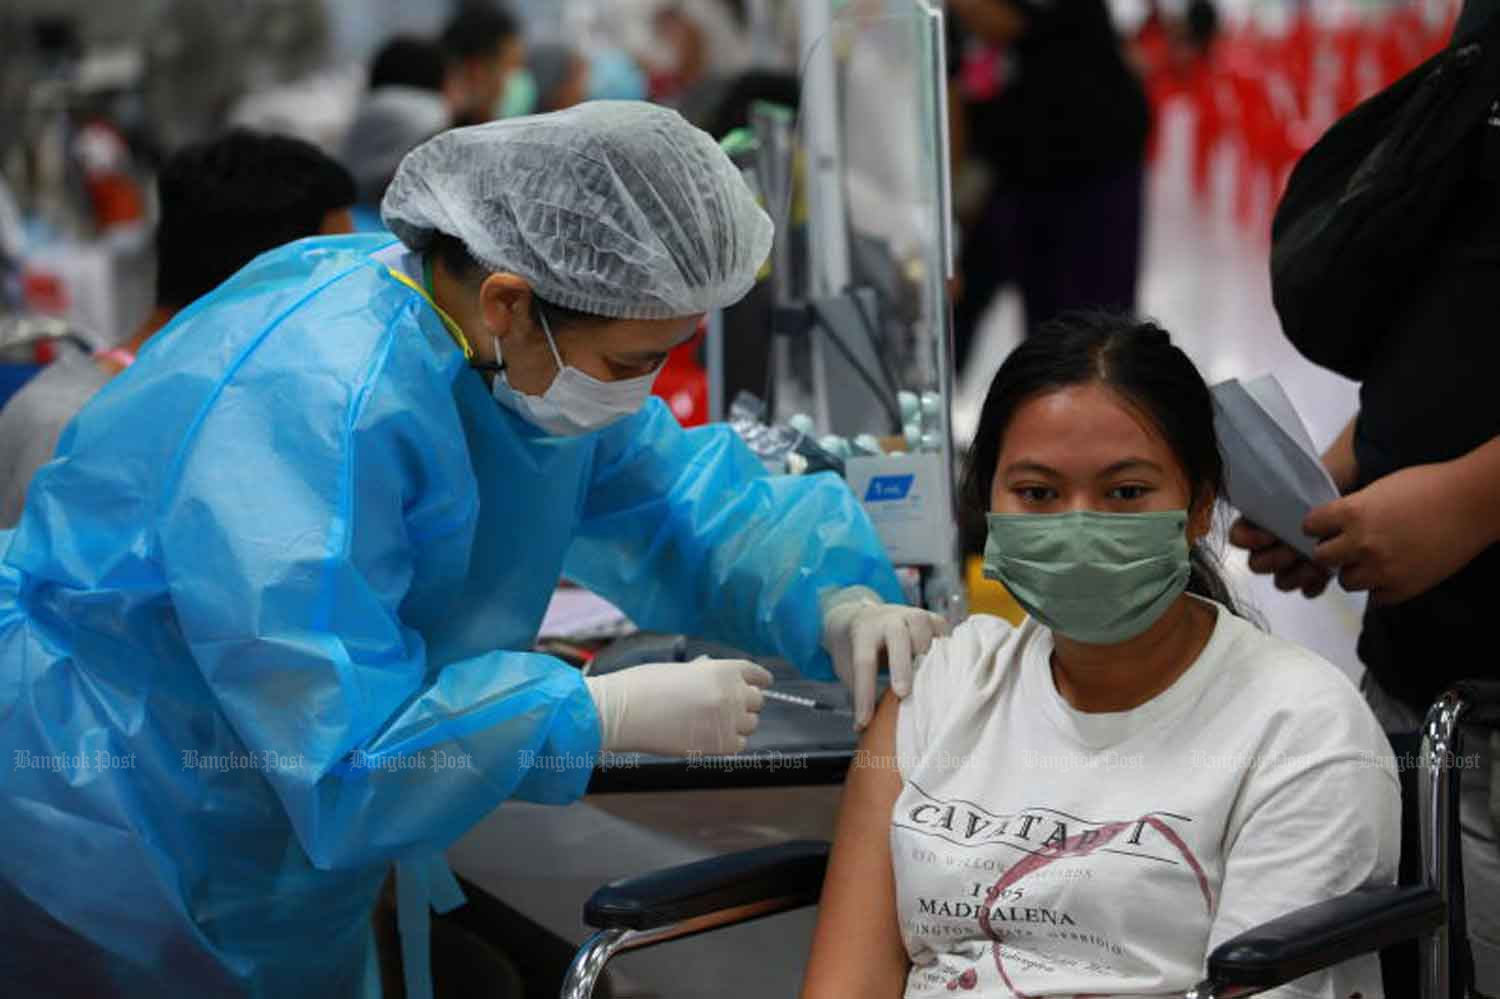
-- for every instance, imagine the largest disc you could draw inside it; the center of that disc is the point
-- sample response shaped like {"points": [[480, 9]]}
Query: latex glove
{"points": [[1402, 534], [860, 631], [708, 706], [1269, 556]]}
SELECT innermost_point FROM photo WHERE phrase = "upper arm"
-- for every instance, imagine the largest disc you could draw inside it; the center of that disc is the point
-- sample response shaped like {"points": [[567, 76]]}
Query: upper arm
{"points": [[662, 512], [857, 947], [686, 532], [293, 540], [289, 539]]}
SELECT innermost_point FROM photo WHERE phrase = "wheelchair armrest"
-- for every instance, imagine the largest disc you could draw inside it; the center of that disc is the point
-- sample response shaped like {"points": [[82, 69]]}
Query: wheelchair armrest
{"points": [[1327, 933], [788, 874], [1483, 697]]}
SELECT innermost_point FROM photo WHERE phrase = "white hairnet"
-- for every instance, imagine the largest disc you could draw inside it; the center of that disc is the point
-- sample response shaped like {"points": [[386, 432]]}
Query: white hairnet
{"points": [[616, 208], [392, 121]]}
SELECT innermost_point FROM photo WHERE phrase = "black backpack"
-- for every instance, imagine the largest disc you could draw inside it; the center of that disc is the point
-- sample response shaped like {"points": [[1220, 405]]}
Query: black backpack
{"points": [[1367, 205]]}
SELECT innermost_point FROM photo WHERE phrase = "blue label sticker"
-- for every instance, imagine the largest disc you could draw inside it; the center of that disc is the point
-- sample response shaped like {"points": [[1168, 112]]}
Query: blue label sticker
{"points": [[889, 488]]}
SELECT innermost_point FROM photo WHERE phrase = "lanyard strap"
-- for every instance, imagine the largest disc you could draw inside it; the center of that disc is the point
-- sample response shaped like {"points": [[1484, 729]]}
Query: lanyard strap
{"points": [[454, 330]]}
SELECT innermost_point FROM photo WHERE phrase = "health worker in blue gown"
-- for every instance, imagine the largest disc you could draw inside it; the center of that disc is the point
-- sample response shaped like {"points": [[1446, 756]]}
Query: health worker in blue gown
{"points": [[265, 621]]}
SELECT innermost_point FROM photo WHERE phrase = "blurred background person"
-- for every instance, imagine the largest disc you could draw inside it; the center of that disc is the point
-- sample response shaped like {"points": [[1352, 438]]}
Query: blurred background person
{"points": [[683, 62], [615, 75], [487, 53], [409, 101], [560, 74], [694, 42], [222, 203], [1060, 119], [418, 63]]}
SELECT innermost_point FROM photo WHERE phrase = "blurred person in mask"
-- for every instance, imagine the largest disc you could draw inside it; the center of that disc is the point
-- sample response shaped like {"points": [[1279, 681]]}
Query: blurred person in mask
{"points": [[615, 75], [697, 41], [487, 61], [317, 525], [410, 100], [560, 75], [685, 49], [1062, 127], [222, 203]]}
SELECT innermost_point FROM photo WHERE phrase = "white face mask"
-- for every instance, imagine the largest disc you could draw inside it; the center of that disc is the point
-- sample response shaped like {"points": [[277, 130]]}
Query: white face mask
{"points": [[575, 403]]}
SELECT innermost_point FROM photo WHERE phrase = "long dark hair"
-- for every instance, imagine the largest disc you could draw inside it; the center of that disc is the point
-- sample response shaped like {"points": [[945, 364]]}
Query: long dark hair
{"points": [[1136, 359]]}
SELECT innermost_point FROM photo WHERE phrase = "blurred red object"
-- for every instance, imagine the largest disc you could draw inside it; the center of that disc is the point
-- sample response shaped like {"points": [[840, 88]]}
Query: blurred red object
{"points": [[1269, 98], [44, 292], [683, 384], [982, 73], [105, 156], [117, 200]]}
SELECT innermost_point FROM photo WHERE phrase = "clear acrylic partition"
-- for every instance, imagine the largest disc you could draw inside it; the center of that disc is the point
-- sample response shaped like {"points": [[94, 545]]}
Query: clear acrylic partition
{"points": [[870, 237], [872, 179]]}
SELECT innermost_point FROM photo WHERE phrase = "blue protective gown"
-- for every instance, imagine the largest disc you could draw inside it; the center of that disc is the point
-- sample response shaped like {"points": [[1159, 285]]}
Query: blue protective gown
{"points": [[263, 626]]}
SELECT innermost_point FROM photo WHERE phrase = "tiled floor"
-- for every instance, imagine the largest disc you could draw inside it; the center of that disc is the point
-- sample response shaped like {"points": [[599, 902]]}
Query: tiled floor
{"points": [[1206, 280]]}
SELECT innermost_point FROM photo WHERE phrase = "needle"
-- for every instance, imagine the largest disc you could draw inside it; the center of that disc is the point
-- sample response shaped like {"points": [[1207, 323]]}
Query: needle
{"points": [[810, 703]]}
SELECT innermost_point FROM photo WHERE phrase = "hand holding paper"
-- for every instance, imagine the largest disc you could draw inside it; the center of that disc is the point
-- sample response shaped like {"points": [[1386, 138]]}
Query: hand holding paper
{"points": [[1269, 557], [1399, 536]]}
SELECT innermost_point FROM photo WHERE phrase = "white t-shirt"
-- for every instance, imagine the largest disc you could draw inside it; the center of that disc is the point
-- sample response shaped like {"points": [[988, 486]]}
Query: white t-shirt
{"points": [[1043, 851]]}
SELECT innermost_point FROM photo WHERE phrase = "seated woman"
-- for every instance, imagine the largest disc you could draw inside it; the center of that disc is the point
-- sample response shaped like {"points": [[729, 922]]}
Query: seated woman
{"points": [[1088, 804]]}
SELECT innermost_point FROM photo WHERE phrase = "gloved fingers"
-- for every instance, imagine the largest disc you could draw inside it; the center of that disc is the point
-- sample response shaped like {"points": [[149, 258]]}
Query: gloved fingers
{"points": [[865, 641], [923, 630], [940, 625], [747, 723], [738, 744], [757, 675], [752, 699], [866, 652], [898, 654]]}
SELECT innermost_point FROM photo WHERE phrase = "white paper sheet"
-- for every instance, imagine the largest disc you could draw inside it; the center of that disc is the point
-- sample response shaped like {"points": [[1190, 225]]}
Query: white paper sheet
{"points": [[1275, 475]]}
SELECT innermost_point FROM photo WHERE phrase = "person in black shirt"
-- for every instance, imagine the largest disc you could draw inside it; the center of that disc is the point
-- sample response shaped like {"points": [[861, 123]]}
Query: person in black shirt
{"points": [[1065, 141], [1418, 526]]}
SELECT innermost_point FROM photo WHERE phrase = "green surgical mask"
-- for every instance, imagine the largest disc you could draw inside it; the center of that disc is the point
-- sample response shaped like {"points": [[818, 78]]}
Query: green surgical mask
{"points": [[1100, 578]]}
